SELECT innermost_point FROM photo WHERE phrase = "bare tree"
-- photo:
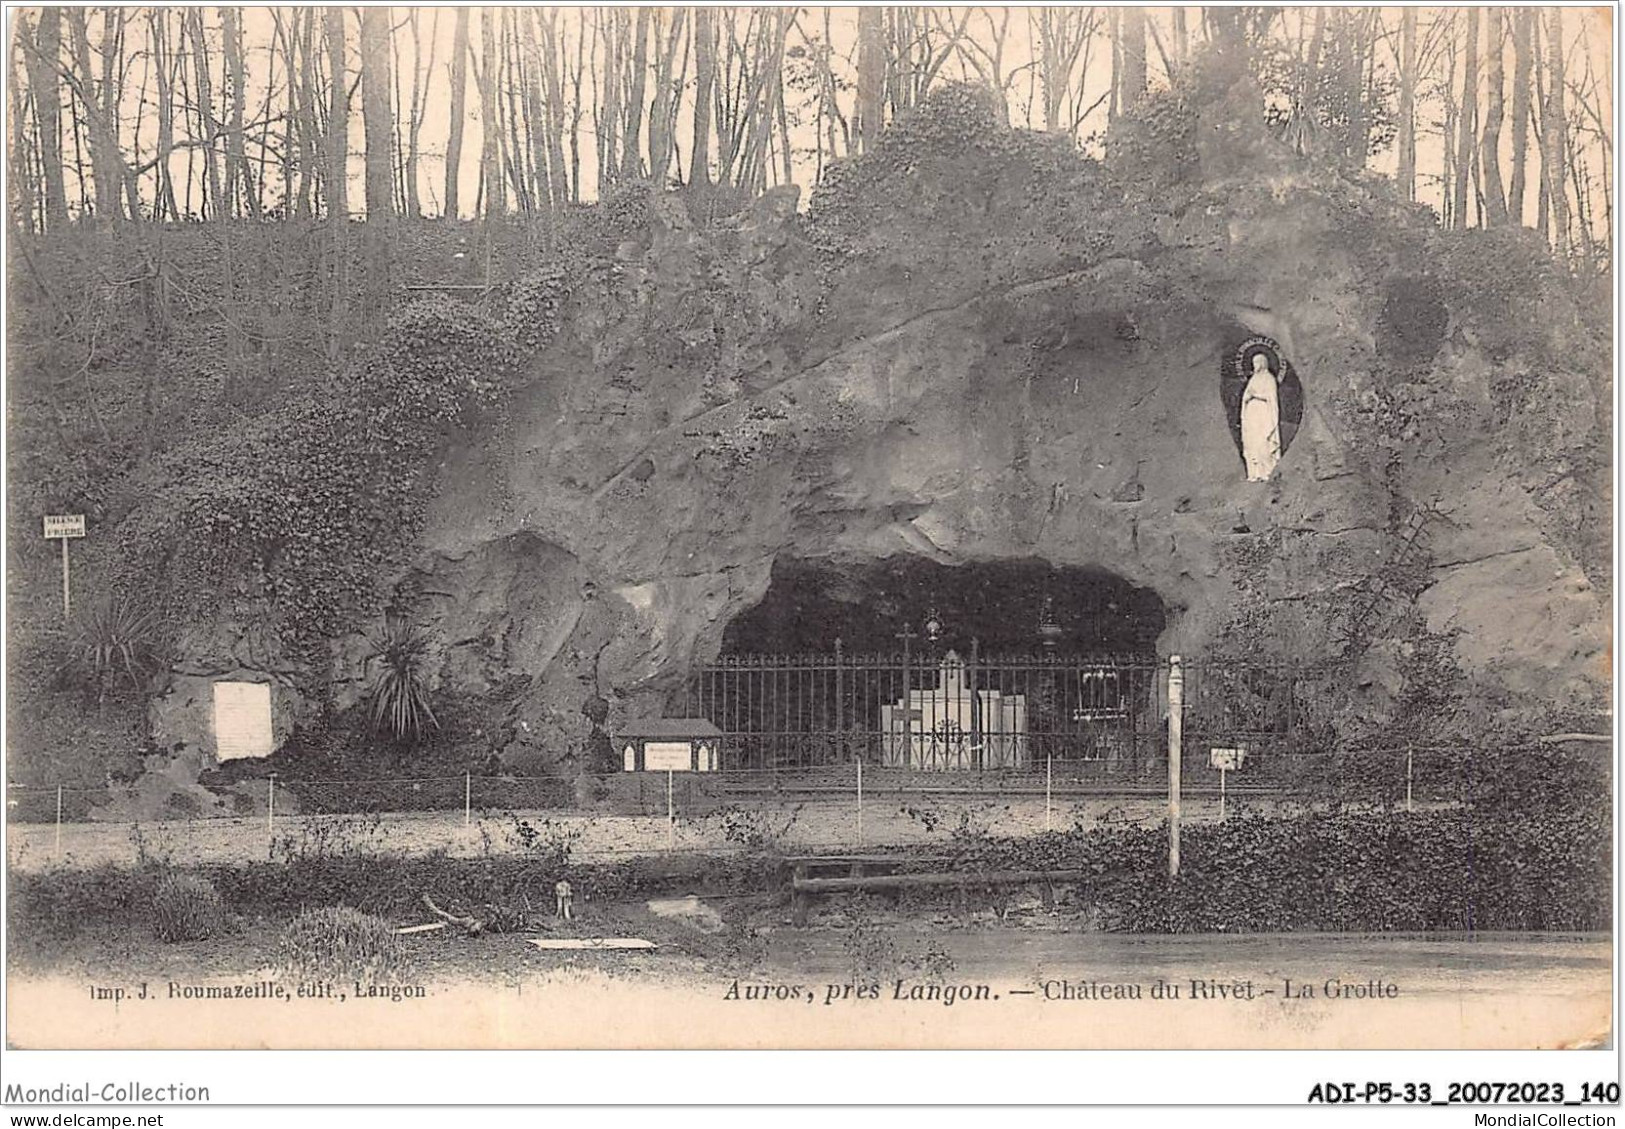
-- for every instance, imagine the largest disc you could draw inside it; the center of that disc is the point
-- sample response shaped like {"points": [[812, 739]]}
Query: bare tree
{"points": [[1554, 142], [164, 69], [459, 109], [421, 72], [1131, 84], [492, 180], [631, 157], [1522, 23], [1466, 119], [1063, 36], [705, 65], [668, 91], [43, 61], [561, 182], [1407, 104], [1495, 203], [20, 179], [337, 181], [869, 119], [377, 115]]}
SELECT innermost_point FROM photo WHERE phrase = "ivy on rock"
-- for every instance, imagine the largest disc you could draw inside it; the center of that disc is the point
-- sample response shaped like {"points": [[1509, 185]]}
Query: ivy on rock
{"points": [[292, 518]]}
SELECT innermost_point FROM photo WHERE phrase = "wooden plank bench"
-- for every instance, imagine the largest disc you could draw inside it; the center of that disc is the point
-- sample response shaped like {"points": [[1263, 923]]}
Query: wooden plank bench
{"points": [[806, 885]]}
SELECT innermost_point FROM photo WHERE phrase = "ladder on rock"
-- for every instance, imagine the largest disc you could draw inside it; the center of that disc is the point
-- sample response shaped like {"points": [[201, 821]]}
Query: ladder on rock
{"points": [[1381, 598]]}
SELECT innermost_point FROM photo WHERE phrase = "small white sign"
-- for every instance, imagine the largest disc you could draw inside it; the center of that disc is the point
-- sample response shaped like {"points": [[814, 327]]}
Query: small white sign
{"points": [[242, 720], [64, 525], [1227, 760], [668, 756]]}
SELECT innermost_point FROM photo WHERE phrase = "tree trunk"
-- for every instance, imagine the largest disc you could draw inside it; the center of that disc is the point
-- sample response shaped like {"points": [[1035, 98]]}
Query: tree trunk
{"points": [[44, 80], [496, 196], [631, 158], [1554, 135], [562, 185], [660, 117], [237, 170], [79, 40], [1132, 86], [377, 115], [1407, 104], [705, 66], [1466, 121], [1521, 80], [459, 110], [536, 131], [20, 178], [1538, 108], [337, 182], [112, 96], [871, 77], [1495, 204], [337, 179], [422, 76], [516, 152], [208, 123], [609, 111], [163, 66], [313, 160]]}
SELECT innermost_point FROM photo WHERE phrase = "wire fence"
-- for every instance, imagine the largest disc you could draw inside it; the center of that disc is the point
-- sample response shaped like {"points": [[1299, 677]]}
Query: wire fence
{"points": [[1388, 777]]}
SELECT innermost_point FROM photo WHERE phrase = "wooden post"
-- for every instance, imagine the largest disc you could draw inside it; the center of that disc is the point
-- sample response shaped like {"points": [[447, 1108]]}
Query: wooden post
{"points": [[1408, 750], [59, 803], [1221, 794], [671, 814], [270, 805], [1176, 723], [468, 798], [67, 600], [860, 803], [1049, 779]]}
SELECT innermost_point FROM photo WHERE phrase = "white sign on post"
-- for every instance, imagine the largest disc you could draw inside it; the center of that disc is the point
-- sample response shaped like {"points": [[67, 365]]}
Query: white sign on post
{"points": [[64, 525], [1227, 760], [668, 756]]}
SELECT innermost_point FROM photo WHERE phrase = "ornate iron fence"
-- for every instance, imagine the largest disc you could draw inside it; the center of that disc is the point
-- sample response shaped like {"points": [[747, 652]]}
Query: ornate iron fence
{"points": [[939, 710], [931, 709]]}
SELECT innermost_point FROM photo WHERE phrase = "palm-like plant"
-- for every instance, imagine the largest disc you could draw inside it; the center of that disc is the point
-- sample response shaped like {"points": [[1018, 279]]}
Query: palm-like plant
{"points": [[399, 702], [114, 639]]}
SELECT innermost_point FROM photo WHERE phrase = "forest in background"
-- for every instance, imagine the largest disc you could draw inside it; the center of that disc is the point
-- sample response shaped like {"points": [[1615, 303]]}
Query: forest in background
{"points": [[1494, 116]]}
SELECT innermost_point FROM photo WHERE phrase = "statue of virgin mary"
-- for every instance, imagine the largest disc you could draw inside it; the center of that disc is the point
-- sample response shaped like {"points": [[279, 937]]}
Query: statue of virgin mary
{"points": [[1261, 421]]}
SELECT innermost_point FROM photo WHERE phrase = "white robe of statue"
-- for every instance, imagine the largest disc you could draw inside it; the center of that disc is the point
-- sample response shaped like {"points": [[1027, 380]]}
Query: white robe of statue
{"points": [[1261, 421]]}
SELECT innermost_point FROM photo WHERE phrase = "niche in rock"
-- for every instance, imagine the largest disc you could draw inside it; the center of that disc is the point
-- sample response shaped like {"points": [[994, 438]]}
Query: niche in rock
{"points": [[1006, 606], [1263, 402]]}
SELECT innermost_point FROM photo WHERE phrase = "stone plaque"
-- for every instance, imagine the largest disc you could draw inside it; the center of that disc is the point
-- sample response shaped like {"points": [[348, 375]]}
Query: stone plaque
{"points": [[242, 720]]}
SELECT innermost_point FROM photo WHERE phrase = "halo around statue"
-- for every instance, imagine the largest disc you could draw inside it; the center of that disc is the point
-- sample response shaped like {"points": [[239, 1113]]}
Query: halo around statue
{"points": [[1251, 348]]}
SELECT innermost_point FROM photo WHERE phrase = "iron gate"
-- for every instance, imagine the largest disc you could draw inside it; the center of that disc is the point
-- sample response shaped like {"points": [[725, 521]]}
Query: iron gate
{"points": [[938, 710], [928, 710]]}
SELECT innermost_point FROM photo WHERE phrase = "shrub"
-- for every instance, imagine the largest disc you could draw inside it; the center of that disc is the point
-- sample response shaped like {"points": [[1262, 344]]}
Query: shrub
{"points": [[400, 696], [339, 943], [186, 907], [115, 641]]}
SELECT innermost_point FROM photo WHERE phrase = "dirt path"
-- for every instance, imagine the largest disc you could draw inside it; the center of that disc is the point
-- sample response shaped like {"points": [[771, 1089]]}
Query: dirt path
{"points": [[593, 838]]}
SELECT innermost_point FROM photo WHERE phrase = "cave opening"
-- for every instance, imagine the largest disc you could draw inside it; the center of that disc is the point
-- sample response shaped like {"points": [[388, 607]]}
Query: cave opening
{"points": [[1012, 606], [905, 663]]}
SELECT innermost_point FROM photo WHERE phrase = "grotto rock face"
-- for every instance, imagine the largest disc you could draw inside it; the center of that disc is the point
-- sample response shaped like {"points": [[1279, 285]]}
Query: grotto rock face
{"points": [[992, 372]]}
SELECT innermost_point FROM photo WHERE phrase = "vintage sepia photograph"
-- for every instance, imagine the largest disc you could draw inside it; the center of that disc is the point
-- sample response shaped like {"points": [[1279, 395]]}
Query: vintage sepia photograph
{"points": [[800, 528]]}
